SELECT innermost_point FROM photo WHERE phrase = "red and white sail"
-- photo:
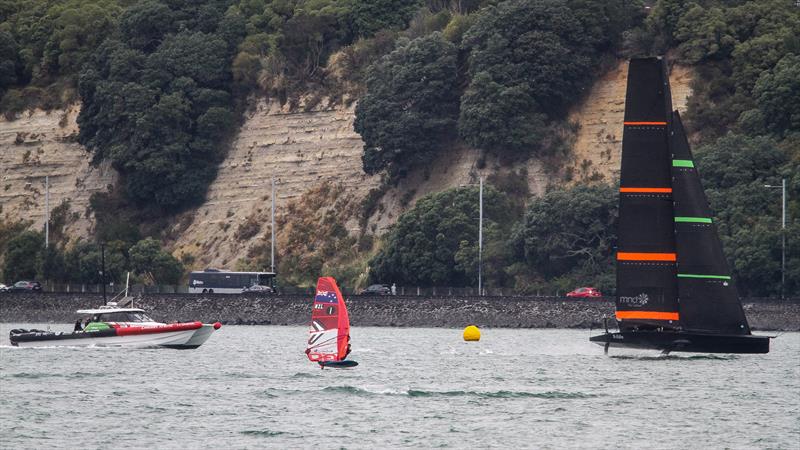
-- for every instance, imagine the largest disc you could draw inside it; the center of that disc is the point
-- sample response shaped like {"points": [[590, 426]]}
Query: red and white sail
{"points": [[329, 334]]}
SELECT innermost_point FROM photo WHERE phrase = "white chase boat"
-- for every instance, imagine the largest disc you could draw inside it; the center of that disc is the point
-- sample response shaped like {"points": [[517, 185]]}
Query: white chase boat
{"points": [[110, 326]]}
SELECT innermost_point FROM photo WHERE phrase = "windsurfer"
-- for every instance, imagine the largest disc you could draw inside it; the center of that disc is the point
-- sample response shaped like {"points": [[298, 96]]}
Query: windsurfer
{"points": [[348, 348]]}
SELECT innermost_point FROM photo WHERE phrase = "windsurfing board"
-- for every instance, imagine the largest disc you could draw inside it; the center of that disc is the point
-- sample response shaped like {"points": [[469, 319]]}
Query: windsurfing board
{"points": [[338, 364]]}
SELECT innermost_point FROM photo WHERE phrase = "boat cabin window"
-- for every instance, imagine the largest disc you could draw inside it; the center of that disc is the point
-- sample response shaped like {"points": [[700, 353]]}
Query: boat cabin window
{"points": [[122, 317]]}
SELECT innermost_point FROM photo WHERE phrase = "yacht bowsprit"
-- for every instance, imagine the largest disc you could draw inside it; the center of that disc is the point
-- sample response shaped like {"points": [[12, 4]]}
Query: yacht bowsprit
{"points": [[109, 326], [675, 291]]}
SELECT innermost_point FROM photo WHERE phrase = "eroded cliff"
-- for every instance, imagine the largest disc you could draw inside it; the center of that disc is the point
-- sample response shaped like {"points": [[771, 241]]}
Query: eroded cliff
{"points": [[315, 158], [41, 144]]}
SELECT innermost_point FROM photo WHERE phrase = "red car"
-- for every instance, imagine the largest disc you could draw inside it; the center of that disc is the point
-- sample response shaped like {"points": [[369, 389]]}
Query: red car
{"points": [[585, 292]]}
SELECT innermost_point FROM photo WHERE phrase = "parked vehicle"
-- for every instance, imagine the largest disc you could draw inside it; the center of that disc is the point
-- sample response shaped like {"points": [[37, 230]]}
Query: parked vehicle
{"points": [[216, 281], [585, 292], [3, 287], [376, 289], [258, 288], [26, 286]]}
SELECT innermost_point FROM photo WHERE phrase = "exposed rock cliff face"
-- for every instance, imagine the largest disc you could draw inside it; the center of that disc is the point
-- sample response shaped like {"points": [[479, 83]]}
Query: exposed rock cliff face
{"points": [[597, 149], [304, 151], [43, 144]]}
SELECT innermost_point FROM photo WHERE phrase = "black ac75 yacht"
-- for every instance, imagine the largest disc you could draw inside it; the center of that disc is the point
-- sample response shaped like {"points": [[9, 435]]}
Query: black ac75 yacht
{"points": [[675, 291]]}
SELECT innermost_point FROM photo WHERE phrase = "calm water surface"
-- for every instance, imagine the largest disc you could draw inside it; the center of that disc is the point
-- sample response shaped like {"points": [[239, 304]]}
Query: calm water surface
{"points": [[251, 386]]}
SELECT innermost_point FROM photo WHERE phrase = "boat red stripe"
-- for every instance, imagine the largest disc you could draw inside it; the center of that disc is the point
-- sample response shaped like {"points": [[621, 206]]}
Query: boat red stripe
{"points": [[624, 256], [652, 315], [128, 331]]}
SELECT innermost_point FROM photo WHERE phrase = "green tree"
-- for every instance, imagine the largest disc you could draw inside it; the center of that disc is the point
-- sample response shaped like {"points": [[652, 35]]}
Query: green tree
{"points": [[159, 104], [532, 60], [411, 105], [735, 169], [147, 257], [371, 16], [83, 263], [777, 94], [570, 230], [433, 244], [500, 118], [52, 264], [23, 256]]}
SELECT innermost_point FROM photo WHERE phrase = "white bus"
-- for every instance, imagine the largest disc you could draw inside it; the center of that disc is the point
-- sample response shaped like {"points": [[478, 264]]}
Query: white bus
{"points": [[215, 281]]}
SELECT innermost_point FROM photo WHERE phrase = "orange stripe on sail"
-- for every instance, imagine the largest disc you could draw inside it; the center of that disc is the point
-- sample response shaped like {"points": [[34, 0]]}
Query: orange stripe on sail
{"points": [[654, 315], [648, 190], [623, 256], [645, 123]]}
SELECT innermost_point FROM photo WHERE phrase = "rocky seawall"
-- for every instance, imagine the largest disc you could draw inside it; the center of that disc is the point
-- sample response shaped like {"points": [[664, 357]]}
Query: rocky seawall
{"points": [[499, 312]]}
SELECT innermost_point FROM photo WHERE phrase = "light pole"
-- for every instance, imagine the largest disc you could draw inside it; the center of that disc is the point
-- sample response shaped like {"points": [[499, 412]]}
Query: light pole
{"points": [[480, 239], [782, 187], [103, 269]]}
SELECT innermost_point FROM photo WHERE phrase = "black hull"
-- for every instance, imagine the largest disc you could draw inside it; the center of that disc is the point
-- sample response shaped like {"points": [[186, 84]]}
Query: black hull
{"points": [[17, 336], [682, 341], [338, 364]]}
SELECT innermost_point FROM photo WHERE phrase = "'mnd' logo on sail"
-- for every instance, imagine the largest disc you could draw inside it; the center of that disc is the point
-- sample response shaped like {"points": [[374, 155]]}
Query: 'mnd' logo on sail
{"points": [[639, 300]]}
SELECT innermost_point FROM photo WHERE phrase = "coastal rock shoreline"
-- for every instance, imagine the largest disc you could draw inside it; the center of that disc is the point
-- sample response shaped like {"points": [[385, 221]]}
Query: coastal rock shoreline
{"points": [[394, 311]]}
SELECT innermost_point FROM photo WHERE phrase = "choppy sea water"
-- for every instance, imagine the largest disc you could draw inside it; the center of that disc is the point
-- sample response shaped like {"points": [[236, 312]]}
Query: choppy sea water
{"points": [[252, 387]]}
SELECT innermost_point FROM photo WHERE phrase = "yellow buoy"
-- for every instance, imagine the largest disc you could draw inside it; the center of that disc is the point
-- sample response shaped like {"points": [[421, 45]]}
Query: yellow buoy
{"points": [[472, 333]]}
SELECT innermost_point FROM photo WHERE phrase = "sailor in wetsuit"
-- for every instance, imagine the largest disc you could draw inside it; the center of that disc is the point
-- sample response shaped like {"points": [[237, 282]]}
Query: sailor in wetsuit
{"points": [[348, 348]]}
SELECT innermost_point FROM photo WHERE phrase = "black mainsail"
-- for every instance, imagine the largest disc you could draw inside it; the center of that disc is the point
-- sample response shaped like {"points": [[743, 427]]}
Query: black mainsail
{"points": [[646, 283], [674, 287]]}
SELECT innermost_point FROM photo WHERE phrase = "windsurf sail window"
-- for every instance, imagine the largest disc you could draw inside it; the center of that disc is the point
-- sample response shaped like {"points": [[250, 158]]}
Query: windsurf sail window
{"points": [[329, 333]]}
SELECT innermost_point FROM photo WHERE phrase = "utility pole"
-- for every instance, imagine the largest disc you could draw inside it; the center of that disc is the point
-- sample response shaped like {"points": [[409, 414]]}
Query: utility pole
{"points": [[103, 269], [46, 211], [480, 239], [272, 241], [783, 233]]}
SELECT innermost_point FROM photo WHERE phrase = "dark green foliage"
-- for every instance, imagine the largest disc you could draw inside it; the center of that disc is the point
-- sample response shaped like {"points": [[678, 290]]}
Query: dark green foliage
{"points": [[411, 105], [159, 105], [47, 42], [147, 257], [570, 234], [777, 95], [530, 61], [83, 263], [23, 256], [500, 118], [735, 169], [10, 65], [371, 16], [435, 243], [733, 45]]}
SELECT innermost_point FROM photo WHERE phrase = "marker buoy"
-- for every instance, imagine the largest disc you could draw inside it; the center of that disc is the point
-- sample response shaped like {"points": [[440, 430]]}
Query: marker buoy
{"points": [[472, 333]]}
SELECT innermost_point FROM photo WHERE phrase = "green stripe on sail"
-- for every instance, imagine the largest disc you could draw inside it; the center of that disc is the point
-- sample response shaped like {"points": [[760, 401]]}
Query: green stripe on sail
{"points": [[712, 277], [693, 219], [682, 163]]}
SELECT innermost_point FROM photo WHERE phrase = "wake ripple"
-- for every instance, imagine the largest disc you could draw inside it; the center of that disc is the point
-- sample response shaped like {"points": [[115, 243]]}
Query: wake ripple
{"points": [[261, 433], [677, 358], [501, 394]]}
